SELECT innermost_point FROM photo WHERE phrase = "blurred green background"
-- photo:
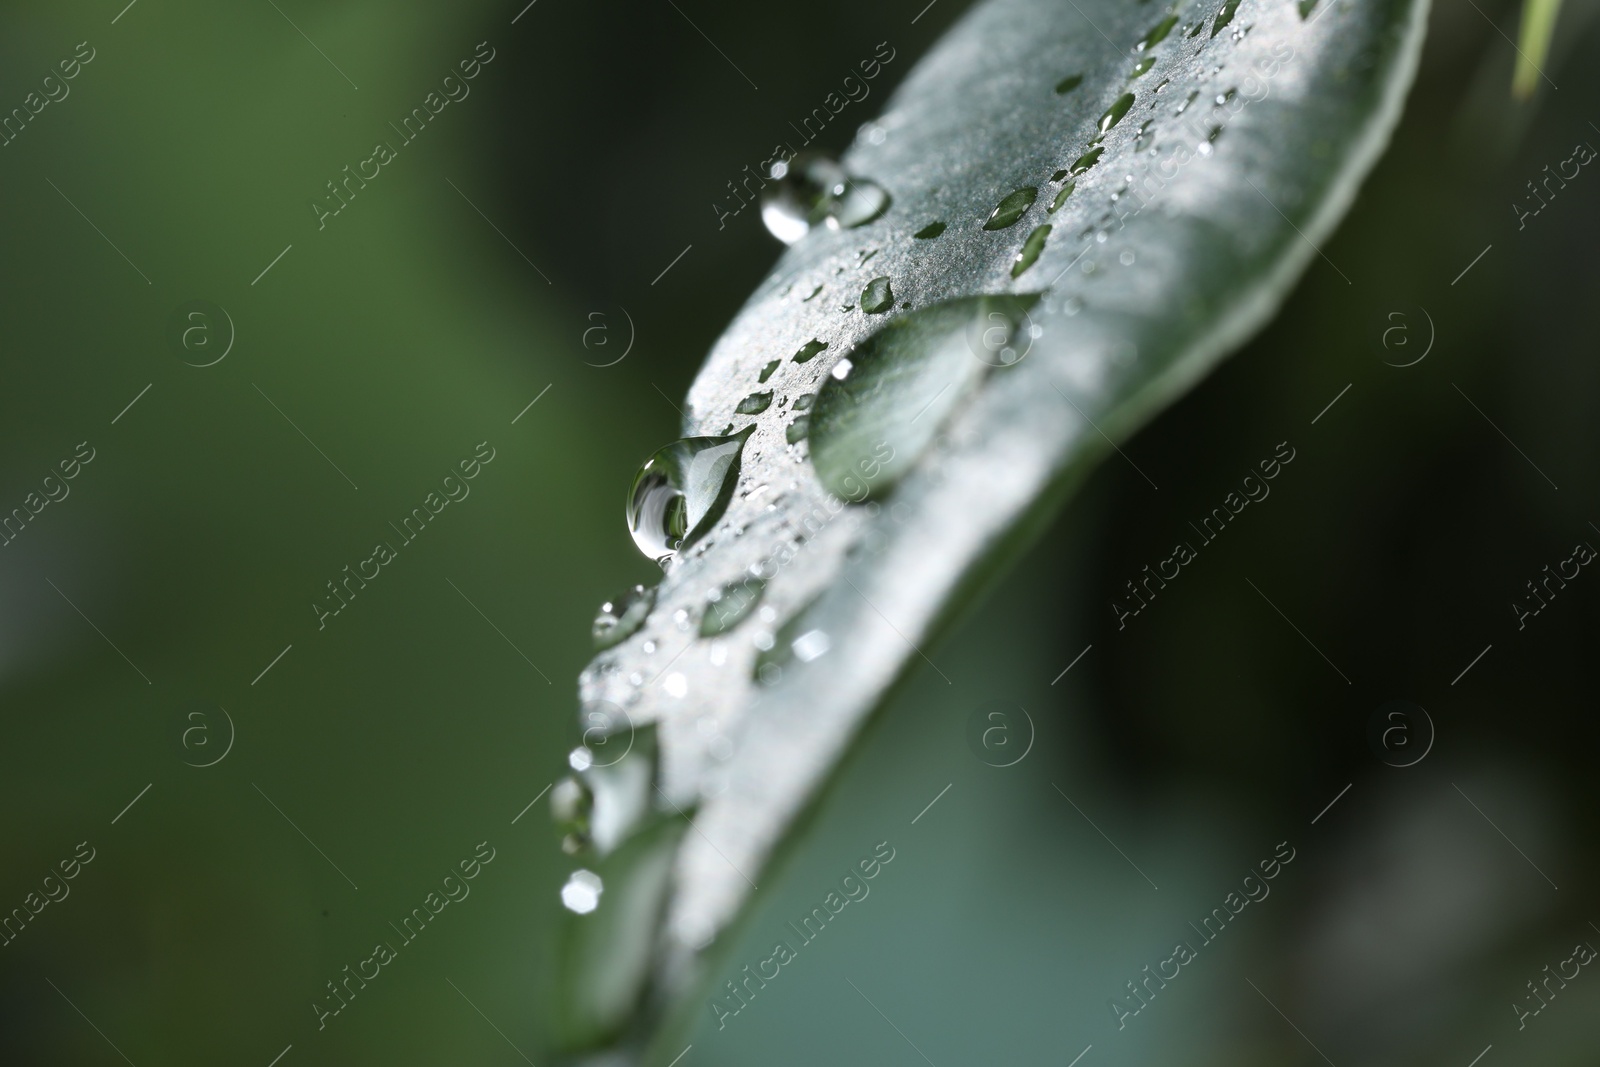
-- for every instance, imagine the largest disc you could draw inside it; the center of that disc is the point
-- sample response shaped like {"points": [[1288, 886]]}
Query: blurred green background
{"points": [[468, 279]]}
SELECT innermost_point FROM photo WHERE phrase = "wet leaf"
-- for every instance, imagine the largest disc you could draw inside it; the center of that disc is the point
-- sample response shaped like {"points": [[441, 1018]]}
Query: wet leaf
{"points": [[1161, 261]]}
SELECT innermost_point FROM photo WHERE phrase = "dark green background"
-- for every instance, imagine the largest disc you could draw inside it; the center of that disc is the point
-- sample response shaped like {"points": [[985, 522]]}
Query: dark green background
{"points": [[407, 731]]}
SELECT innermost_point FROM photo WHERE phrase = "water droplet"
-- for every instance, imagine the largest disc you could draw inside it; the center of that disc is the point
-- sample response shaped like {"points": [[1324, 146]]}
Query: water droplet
{"points": [[766, 372], [1224, 16], [1162, 84], [871, 424], [1306, 7], [754, 404], [804, 403], [1030, 250], [813, 295], [570, 805], [809, 350], [681, 491], [728, 606], [1143, 65], [580, 758], [1187, 101], [1157, 34], [812, 190], [1114, 113], [1066, 85], [877, 297], [621, 616], [1013, 207], [676, 685], [798, 430], [1061, 197], [930, 231], [582, 891], [841, 369], [1087, 160], [1195, 29]]}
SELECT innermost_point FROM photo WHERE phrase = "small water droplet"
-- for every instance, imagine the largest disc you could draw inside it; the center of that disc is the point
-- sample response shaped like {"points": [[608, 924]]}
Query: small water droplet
{"points": [[809, 350], [813, 295], [570, 804], [728, 606], [811, 190], [681, 491], [1066, 85], [1157, 34], [1162, 84], [1306, 7], [580, 759], [1030, 250], [1087, 160], [1061, 197], [676, 685], [1224, 16], [766, 372], [877, 297], [1143, 65], [582, 891], [841, 370], [754, 404], [804, 403], [811, 645], [1187, 101], [1013, 207], [798, 430], [930, 231], [1114, 113], [621, 616]]}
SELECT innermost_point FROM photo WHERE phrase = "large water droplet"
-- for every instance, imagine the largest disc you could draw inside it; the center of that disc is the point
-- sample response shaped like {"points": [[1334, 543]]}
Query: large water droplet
{"points": [[1087, 160], [681, 491], [766, 372], [754, 404], [1157, 33], [619, 617], [870, 425], [930, 231], [728, 606], [1066, 85], [809, 350], [1030, 250], [1061, 197], [1224, 16], [1012, 208], [1114, 113], [877, 297], [812, 190]]}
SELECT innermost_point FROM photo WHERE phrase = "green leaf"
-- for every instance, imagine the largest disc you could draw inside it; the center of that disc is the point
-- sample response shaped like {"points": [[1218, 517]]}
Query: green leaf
{"points": [[951, 423]]}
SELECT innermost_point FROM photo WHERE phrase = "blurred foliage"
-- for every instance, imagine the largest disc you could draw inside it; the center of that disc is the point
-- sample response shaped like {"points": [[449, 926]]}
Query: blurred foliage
{"points": [[409, 729]]}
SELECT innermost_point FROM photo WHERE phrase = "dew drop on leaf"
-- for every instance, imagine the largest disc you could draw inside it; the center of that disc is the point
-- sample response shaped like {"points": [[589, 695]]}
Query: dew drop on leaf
{"points": [[1013, 207], [730, 605], [877, 297], [754, 404], [813, 190], [619, 617], [809, 350], [681, 491], [1030, 250], [870, 426]]}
